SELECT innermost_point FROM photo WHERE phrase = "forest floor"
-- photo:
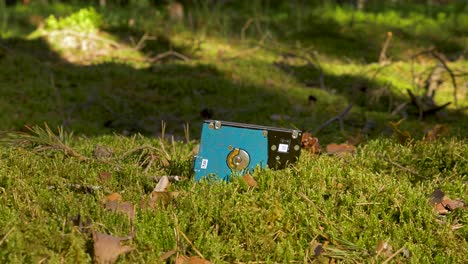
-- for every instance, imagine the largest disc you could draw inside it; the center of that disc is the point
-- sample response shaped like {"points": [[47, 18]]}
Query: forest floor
{"points": [[97, 104]]}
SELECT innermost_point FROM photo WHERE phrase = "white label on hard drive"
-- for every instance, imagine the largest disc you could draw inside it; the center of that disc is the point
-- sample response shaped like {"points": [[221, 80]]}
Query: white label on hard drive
{"points": [[204, 163], [283, 148]]}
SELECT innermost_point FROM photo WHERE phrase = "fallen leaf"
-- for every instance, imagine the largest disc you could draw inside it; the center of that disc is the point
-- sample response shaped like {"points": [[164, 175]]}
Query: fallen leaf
{"points": [[191, 260], [452, 204], [383, 248], [442, 203], [440, 209], [356, 140], [104, 176], [162, 185], [167, 254], [126, 208], [113, 203], [108, 248], [250, 180], [310, 143], [402, 136], [436, 132], [162, 198], [113, 197], [340, 150]]}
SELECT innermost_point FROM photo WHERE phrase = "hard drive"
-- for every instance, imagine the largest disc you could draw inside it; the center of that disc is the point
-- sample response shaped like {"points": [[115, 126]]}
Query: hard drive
{"points": [[228, 148]]}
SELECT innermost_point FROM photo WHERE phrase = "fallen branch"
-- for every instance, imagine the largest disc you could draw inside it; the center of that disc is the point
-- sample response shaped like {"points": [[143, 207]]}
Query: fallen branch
{"points": [[383, 57], [452, 76], [245, 27], [6, 235], [425, 108], [340, 117], [186, 238], [166, 54], [141, 43]]}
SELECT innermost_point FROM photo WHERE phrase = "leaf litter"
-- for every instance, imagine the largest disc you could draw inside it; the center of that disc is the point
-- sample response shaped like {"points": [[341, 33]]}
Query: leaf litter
{"points": [[114, 203], [108, 248], [442, 203]]}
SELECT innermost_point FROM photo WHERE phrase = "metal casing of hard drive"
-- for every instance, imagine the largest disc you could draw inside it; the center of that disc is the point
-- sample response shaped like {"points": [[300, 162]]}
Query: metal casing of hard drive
{"points": [[228, 148]]}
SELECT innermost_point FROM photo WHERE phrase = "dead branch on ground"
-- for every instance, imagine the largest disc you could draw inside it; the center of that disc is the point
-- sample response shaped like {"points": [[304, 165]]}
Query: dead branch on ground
{"points": [[452, 76], [383, 56], [167, 54], [425, 105], [340, 118]]}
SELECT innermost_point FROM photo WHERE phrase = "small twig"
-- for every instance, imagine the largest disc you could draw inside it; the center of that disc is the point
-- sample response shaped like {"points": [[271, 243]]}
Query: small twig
{"points": [[186, 238], [383, 57], [170, 53], [6, 235], [452, 76], [171, 178], [338, 118], [401, 167], [143, 39], [245, 27], [393, 255], [368, 203], [312, 203], [79, 187], [398, 109]]}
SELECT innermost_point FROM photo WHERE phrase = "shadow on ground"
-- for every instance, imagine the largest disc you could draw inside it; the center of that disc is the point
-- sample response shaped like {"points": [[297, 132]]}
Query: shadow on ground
{"points": [[37, 85]]}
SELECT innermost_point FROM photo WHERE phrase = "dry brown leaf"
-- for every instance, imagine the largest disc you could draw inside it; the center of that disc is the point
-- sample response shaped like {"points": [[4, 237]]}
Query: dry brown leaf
{"points": [[113, 197], [250, 180], [127, 208], [311, 143], [162, 185], [340, 150], [356, 140], [113, 202], [440, 209], [383, 248], [191, 260], [452, 204], [442, 203], [107, 248], [402, 136], [436, 132], [162, 198], [167, 254], [104, 176]]}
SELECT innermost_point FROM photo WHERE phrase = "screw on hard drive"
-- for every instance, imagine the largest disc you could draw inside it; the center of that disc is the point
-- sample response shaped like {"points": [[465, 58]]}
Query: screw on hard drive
{"points": [[295, 134], [211, 125], [265, 133]]}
